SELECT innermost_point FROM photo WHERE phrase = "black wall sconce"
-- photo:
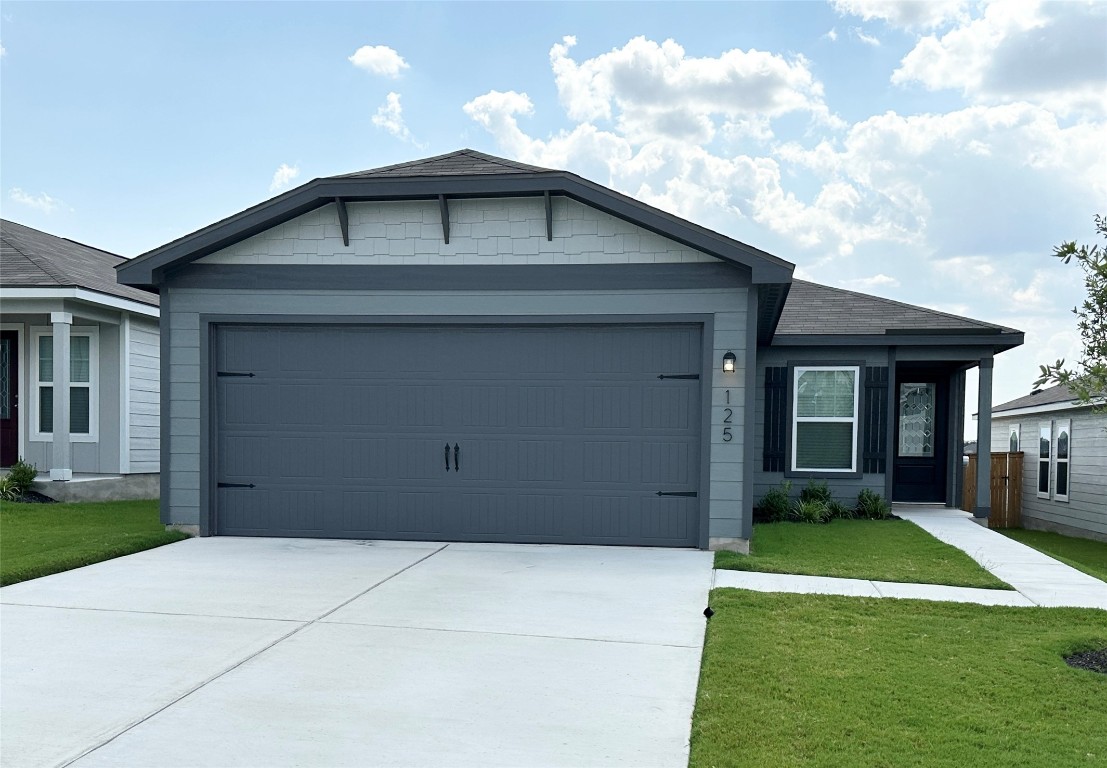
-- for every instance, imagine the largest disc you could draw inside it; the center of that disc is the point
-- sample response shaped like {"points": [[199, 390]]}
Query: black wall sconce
{"points": [[729, 362]]}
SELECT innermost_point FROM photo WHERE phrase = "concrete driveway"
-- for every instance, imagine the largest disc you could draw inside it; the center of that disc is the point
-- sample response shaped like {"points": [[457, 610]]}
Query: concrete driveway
{"points": [[271, 652]]}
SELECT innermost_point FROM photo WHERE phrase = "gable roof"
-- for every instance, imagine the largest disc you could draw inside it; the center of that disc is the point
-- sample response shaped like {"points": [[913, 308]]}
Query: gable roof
{"points": [[1055, 395], [464, 162], [819, 310], [31, 258]]}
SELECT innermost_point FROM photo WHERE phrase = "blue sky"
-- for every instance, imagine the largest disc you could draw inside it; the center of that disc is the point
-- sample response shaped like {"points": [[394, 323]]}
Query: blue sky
{"points": [[931, 152]]}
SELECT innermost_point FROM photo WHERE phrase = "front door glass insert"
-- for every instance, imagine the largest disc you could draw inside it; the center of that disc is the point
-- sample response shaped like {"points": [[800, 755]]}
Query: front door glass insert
{"points": [[916, 419]]}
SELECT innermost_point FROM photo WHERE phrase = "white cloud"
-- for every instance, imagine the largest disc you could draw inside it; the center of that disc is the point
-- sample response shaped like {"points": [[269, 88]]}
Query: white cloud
{"points": [[865, 38], [379, 60], [390, 117], [904, 14], [41, 202], [283, 176], [832, 35], [3, 50], [1048, 54], [869, 283]]}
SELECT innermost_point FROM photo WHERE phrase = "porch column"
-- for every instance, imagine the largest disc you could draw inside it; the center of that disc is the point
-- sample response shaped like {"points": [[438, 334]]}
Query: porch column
{"points": [[61, 464], [983, 506]]}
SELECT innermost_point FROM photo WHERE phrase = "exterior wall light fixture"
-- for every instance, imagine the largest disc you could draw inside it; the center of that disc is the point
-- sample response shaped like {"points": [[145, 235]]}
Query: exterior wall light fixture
{"points": [[729, 362]]}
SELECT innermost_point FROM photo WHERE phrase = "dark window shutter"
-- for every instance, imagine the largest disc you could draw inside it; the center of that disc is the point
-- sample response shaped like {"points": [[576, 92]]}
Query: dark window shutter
{"points": [[874, 456], [776, 418]]}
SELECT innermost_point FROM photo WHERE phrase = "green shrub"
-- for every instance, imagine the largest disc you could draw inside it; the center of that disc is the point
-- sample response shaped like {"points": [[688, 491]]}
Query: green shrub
{"points": [[21, 475], [775, 505], [816, 490], [810, 512], [8, 489], [871, 505], [839, 511]]}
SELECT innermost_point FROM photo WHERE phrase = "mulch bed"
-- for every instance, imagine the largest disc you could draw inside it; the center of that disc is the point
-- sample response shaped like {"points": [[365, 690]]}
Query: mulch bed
{"points": [[1093, 661], [34, 497]]}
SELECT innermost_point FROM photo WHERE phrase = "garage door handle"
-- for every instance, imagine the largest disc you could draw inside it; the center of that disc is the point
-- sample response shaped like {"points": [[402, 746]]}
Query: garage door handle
{"points": [[236, 485], [447, 457], [457, 453]]}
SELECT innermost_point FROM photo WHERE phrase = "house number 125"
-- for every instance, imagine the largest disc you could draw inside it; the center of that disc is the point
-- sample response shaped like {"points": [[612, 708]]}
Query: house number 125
{"points": [[728, 415]]}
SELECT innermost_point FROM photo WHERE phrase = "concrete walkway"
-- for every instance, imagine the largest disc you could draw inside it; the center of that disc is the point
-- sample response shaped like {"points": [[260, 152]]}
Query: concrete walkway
{"points": [[1038, 579]]}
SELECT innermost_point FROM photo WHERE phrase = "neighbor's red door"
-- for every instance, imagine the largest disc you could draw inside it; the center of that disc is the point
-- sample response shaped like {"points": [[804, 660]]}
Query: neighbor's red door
{"points": [[9, 398]]}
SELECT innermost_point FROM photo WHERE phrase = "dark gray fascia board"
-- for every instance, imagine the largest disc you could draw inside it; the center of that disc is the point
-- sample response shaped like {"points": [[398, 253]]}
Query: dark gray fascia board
{"points": [[150, 268], [957, 338]]}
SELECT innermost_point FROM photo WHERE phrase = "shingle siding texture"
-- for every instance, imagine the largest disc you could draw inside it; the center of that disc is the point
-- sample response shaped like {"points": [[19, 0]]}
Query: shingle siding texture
{"points": [[482, 231]]}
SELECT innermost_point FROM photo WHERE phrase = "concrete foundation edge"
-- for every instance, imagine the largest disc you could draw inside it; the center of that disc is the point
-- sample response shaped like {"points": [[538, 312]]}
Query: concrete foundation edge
{"points": [[191, 530], [1037, 524], [109, 488], [729, 544]]}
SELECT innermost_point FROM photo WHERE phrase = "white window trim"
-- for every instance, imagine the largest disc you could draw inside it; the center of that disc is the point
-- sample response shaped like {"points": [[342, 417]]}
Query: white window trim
{"points": [[93, 334], [1063, 425], [796, 419], [1045, 428]]}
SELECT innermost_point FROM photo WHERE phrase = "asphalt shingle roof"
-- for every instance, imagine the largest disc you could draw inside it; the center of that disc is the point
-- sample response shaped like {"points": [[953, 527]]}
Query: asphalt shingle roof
{"points": [[1056, 394], [464, 162], [30, 258], [819, 309]]}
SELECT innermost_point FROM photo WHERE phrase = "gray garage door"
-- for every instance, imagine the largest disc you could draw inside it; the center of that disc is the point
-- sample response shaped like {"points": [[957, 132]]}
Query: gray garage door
{"points": [[559, 434]]}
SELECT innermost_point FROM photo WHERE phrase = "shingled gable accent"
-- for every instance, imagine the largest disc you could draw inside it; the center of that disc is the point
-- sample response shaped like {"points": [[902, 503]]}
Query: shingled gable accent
{"points": [[464, 174]]}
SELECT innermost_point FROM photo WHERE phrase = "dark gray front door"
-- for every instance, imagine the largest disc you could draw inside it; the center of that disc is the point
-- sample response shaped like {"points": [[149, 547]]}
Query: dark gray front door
{"points": [[561, 434]]}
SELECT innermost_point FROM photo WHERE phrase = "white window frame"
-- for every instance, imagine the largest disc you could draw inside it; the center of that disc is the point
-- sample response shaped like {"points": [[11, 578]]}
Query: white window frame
{"points": [[1045, 429], [798, 371], [1016, 430], [93, 384], [1059, 426]]}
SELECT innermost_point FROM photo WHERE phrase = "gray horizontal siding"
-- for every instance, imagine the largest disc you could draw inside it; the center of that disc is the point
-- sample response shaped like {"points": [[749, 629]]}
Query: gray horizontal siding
{"points": [[144, 396], [1086, 508]]}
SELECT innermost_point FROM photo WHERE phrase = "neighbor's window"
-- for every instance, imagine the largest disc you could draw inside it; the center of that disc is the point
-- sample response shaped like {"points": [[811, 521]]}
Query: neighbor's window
{"points": [[824, 419], [82, 381], [1013, 439], [1061, 460], [1043, 460]]}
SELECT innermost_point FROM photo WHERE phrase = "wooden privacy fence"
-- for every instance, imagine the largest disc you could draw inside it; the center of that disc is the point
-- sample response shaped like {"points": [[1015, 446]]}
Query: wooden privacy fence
{"points": [[1006, 485]]}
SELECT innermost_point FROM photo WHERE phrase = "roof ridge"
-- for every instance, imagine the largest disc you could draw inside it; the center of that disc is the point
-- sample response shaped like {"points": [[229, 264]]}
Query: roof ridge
{"points": [[872, 297], [503, 162]]}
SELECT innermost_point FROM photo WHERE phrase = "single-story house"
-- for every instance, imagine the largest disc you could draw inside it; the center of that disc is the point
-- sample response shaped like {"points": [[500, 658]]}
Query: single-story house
{"points": [[467, 348], [79, 369], [1064, 445]]}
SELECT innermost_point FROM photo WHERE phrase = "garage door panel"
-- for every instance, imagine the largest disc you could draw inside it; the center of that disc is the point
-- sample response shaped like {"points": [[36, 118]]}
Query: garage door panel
{"points": [[565, 434]]}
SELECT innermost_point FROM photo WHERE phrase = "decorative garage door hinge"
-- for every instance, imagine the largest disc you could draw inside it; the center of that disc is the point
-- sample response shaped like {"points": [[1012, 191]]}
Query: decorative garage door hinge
{"points": [[236, 485], [232, 373], [679, 376], [678, 493]]}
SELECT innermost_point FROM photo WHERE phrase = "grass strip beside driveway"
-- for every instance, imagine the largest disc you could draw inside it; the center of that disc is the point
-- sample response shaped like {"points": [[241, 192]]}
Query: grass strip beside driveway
{"points": [[1082, 554], [821, 681], [879, 550], [40, 539]]}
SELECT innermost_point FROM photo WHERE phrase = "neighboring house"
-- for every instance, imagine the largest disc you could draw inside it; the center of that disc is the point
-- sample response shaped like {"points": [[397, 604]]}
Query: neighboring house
{"points": [[1064, 445], [469, 348], [79, 370], [970, 447]]}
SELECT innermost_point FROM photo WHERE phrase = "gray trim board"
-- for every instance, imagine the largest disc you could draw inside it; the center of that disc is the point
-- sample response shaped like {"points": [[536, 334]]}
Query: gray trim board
{"points": [[707, 348], [890, 433], [460, 277], [960, 345], [749, 455], [164, 412], [208, 446]]}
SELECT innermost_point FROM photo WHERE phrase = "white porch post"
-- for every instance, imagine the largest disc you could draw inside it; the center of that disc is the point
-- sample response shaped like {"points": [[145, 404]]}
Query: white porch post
{"points": [[61, 465], [983, 506]]}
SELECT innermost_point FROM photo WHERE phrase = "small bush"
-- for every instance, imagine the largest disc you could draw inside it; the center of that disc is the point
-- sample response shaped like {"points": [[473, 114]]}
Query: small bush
{"points": [[21, 475], [816, 490], [810, 512], [775, 505], [839, 511], [872, 506], [8, 489]]}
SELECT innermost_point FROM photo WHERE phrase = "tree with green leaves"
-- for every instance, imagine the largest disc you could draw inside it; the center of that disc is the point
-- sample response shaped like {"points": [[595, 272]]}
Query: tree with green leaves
{"points": [[1088, 379]]}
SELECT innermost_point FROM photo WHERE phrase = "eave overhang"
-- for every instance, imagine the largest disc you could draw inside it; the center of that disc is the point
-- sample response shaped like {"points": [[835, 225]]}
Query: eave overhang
{"points": [[997, 341]]}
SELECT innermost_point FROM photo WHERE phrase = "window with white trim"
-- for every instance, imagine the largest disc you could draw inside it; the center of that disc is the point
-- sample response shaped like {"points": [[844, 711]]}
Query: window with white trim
{"points": [[1013, 439], [1044, 456], [824, 418], [1061, 446], [83, 369]]}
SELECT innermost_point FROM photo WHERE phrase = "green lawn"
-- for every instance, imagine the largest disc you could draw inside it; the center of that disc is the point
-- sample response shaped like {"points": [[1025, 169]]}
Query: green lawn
{"points": [[1084, 554], [881, 550], [820, 681], [40, 539]]}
